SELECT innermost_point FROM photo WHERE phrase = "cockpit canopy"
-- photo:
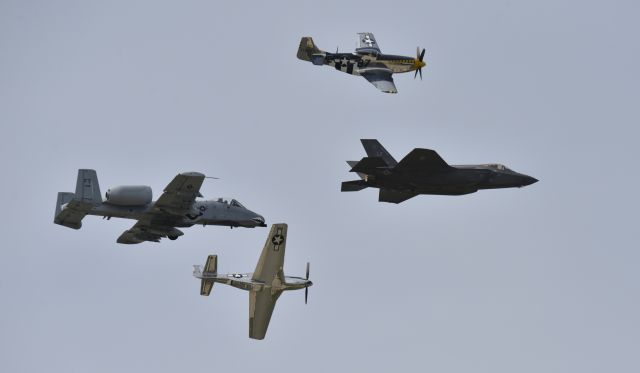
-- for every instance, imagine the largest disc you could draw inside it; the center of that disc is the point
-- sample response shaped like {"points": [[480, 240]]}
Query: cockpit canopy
{"points": [[497, 166], [230, 202]]}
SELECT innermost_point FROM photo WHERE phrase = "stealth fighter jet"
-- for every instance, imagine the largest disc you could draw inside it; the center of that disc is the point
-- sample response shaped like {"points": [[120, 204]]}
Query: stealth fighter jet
{"points": [[422, 171], [176, 207], [367, 62], [265, 284]]}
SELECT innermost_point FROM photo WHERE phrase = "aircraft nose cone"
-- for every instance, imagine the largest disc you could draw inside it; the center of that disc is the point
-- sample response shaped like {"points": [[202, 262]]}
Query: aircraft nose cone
{"points": [[259, 219], [530, 180]]}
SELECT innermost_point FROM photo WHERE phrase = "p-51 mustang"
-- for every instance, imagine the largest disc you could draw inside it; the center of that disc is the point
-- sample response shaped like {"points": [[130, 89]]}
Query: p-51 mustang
{"points": [[368, 61], [176, 207], [265, 284], [422, 171]]}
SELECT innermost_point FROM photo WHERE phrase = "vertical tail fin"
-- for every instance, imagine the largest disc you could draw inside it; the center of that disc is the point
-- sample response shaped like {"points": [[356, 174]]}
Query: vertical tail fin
{"points": [[87, 187], [210, 269], [375, 149], [71, 208], [307, 49]]}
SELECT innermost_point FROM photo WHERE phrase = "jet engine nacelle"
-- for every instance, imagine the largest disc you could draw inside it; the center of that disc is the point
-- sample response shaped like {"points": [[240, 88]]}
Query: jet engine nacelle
{"points": [[129, 195], [318, 58]]}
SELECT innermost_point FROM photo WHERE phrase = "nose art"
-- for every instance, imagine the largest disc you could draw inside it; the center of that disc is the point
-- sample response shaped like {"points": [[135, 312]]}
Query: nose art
{"points": [[258, 219]]}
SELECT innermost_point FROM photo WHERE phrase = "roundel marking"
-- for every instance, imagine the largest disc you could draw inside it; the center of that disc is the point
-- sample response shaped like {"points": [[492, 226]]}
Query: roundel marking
{"points": [[277, 240]]}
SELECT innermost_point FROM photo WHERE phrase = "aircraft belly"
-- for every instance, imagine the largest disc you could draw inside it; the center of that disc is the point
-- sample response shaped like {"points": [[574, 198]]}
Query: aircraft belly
{"points": [[444, 184], [118, 213], [399, 68]]}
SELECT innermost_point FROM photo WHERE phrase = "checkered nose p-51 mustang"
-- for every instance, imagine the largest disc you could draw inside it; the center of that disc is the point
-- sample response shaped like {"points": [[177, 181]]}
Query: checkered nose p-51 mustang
{"points": [[367, 62], [176, 207], [265, 284]]}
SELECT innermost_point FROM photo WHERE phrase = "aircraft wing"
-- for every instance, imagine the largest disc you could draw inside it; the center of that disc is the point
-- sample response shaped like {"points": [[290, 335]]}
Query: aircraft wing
{"points": [[422, 161], [367, 43], [180, 194], [380, 77], [147, 231], [261, 305], [271, 260], [394, 196]]}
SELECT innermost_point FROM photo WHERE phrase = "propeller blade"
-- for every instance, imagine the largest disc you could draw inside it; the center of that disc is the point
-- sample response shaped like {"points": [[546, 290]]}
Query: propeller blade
{"points": [[422, 54], [306, 286], [420, 71], [416, 74]]}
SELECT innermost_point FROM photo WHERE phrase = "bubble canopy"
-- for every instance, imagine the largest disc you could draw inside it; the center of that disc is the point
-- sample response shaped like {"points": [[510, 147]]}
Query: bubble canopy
{"points": [[230, 202], [498, 166]]}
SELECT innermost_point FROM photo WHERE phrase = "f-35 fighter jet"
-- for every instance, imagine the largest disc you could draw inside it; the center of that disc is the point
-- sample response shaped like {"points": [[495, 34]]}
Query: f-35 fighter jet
{"points": [[422, 171], [368, 61], [265, 284], [176, 207]]}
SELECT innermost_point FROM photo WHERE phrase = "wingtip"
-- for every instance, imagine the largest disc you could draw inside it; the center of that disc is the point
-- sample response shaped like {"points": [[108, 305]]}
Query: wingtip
{"points": [[192, 173]]}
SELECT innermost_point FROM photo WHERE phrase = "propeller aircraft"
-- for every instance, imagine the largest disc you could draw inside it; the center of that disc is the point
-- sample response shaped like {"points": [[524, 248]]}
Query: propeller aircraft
{"points": [[367, 62], [265, 284]]}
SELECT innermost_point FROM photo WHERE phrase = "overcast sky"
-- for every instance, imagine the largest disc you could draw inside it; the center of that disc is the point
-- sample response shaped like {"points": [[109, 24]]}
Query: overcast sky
{"points": [[539, 279]]}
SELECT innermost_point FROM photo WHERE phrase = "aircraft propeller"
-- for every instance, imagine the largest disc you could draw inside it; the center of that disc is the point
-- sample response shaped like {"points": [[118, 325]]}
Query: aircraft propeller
{"points": [[306, 286], [419, 57]]}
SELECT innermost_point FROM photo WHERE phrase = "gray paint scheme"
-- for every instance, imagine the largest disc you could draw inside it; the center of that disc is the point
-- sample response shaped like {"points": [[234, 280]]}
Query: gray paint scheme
{"points": [[176, 208], [423, 171], [265, 284]]}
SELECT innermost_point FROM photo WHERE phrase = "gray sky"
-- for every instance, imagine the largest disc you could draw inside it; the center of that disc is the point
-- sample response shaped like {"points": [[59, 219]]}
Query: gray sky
{"points": [[539, 279]]}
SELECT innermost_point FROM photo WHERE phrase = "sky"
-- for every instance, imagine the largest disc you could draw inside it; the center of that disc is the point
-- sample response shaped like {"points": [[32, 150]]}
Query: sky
{"points": [[538, 279]]}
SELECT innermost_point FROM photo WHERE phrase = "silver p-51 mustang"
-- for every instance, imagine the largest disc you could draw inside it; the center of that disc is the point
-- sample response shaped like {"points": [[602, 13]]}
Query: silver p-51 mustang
{"points": [[265, 284], [176, 207]]}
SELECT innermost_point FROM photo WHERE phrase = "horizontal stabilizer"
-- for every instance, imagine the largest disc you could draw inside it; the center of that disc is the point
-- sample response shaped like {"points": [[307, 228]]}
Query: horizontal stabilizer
{"points": [[69, 211], [369, 165], [211, 267], [206, 285], [422, 161], [352, 164], [353, 186], [394, 196]]}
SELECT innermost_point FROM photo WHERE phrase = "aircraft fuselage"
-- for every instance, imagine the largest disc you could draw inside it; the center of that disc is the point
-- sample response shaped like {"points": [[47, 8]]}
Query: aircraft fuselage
{"points": [[209, 212], [351, 63], [459, 180], [244, 281]]}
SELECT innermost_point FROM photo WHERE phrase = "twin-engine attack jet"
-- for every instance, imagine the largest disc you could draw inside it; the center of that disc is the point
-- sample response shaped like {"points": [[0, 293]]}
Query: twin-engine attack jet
{"points": [[422, 171], [176, 207], [265, 284], [368, 61]]}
